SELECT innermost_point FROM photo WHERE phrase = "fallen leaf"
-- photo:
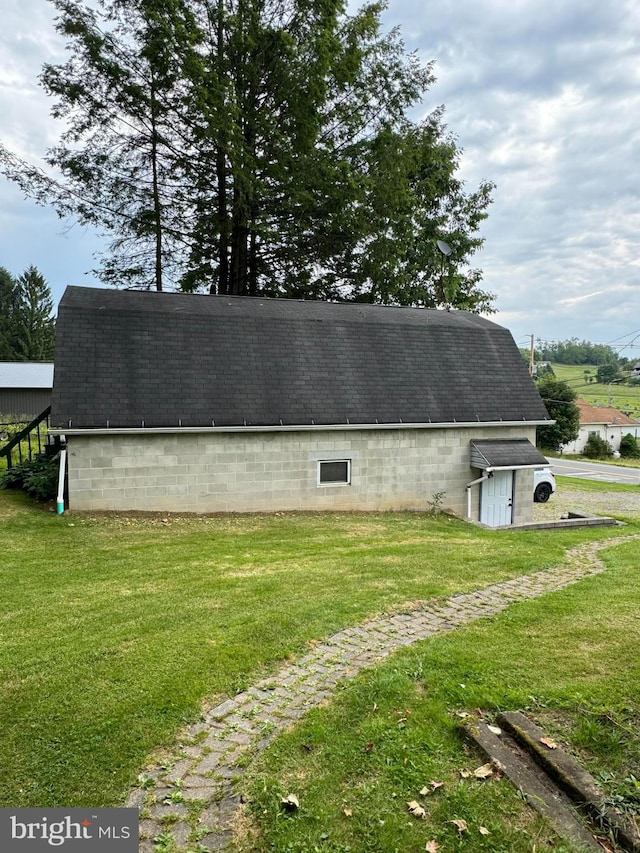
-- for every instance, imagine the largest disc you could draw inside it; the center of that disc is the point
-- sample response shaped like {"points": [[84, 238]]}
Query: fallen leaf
{"points": [[460, 824], [549, 742], [432, 847], [463, 714], [496, 730], [416, 809], [291, 802], [484, 831], [483, 772], [433, 786], [465, 773], [369, 747], [347, 812]]}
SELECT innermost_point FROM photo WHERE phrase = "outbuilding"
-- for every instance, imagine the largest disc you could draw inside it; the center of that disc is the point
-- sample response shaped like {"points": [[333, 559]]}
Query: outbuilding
{"points": [[25, 389], [198, 403]]}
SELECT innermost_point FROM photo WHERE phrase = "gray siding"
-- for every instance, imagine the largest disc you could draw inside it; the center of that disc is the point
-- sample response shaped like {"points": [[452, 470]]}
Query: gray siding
{"points": [[23, 404]]}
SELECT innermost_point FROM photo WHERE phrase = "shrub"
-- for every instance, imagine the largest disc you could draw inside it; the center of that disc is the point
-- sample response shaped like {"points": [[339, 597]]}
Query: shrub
{"points": [[607, 373], [629, 447], [597, 448], [38, 477]]}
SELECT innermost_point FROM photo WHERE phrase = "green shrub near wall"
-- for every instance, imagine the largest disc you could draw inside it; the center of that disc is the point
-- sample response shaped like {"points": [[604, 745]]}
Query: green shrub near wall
{"points": [[629, 447], [597, 448], [38, 477]]}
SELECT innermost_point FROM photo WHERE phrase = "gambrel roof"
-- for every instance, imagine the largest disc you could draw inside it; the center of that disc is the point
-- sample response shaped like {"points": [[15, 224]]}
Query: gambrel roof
{"points": [[147, 359]]}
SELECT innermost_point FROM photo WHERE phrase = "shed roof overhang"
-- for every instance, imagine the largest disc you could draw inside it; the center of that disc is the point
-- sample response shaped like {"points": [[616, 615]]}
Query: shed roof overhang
{"points": [[505, 454]]}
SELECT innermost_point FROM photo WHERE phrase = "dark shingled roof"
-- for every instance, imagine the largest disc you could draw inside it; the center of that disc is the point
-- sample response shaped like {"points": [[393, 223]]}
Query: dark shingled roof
{"points": [[505, 453], [125, 358]]}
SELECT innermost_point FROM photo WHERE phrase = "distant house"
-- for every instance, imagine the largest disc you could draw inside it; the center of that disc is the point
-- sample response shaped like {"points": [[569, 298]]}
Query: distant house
{"points": [[25, 389], [635, 372], [605, 422], [192, 403]]}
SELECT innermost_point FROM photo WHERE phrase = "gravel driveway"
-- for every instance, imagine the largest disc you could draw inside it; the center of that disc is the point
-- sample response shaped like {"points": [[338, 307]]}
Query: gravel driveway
{"points": [[574, 499]]}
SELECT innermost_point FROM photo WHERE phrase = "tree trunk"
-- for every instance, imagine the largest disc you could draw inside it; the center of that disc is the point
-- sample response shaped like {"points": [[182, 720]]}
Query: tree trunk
{"points": [[157, 209], [221, 166]]}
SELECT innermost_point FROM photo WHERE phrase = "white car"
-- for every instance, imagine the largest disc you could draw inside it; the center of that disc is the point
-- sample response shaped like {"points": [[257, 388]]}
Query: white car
{"points": [[544, 485]]}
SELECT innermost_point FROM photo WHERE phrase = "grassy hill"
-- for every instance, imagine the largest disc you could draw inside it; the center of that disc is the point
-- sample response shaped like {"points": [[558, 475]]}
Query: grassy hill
{"points": [[620, 396]]}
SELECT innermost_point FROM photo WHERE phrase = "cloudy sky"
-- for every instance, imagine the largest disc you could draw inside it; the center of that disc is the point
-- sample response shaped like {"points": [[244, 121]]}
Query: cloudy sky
{"points": [[544, 98]]}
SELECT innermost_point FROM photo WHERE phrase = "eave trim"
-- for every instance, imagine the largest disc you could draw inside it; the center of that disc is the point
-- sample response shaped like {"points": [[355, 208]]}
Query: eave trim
{"points": [[169, 430]]}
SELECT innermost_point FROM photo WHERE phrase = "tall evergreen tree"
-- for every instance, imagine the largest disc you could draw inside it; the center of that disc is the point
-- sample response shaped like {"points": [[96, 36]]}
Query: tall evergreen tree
{"points": [[35, 338], [116, 164], [257, 146], [8, 315], [27, 327]]}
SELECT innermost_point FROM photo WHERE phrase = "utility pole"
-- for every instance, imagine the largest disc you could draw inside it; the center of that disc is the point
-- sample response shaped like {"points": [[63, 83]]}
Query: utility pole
{"points": [[609, 397], [531, 357]]}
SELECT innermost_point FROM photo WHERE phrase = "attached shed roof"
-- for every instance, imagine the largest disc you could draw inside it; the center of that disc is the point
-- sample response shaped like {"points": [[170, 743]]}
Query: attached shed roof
{"points": [[145, 359], [490, 454], [26, 374]]}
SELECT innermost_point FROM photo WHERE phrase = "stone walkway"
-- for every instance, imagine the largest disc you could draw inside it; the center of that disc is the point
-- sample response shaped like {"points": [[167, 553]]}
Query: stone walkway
{"points": [[213, 755]]}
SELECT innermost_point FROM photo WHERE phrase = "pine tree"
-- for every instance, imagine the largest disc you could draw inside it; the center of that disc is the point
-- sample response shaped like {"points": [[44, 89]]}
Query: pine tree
{"points": [[8, 318], [35, 337], [257, 147]]}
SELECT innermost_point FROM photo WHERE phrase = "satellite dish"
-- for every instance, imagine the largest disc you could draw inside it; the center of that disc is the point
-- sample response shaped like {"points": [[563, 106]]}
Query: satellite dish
{"points": [[445, 248]]}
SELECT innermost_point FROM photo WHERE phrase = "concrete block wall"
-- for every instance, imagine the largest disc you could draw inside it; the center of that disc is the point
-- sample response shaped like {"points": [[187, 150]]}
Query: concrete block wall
{"points": [[206, 472]]}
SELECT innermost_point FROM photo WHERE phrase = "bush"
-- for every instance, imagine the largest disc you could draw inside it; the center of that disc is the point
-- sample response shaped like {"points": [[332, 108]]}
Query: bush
{"points": [[37, 477], [597, 448], [607, 373], [629, 447]]}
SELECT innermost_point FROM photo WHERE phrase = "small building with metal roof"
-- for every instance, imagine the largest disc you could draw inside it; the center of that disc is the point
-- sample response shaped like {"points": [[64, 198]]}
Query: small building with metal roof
{"points": [[25, 389]]}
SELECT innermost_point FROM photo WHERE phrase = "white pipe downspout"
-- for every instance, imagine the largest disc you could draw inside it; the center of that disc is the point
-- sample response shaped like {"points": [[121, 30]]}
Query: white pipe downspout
{"points": [[61, 473]]}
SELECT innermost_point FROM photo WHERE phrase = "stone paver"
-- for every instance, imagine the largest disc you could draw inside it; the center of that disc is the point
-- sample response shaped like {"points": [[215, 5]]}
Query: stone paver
{"points": [[207, 771]]}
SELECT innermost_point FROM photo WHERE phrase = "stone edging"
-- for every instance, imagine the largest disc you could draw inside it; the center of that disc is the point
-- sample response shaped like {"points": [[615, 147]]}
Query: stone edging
{"points": [[216, 751]]}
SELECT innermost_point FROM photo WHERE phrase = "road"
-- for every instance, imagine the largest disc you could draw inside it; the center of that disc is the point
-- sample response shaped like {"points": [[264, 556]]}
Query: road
{"points": [[595, 471]]}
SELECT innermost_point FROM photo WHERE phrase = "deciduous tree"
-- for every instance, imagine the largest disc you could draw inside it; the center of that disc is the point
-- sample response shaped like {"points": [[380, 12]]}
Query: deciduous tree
{"points": [[558, 398]]}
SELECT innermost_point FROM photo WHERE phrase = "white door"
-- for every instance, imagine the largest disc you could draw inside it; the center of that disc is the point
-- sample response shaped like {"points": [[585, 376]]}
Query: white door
{"points": [[496, 499]]}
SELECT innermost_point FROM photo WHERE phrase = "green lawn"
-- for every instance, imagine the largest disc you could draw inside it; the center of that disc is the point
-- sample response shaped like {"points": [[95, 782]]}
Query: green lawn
{"points": [[571, 660], [114, 629], [620, 396]]}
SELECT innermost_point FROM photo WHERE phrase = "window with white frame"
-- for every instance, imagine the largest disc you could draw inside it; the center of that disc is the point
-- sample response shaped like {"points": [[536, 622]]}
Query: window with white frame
{"points": [[334, 472]]}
